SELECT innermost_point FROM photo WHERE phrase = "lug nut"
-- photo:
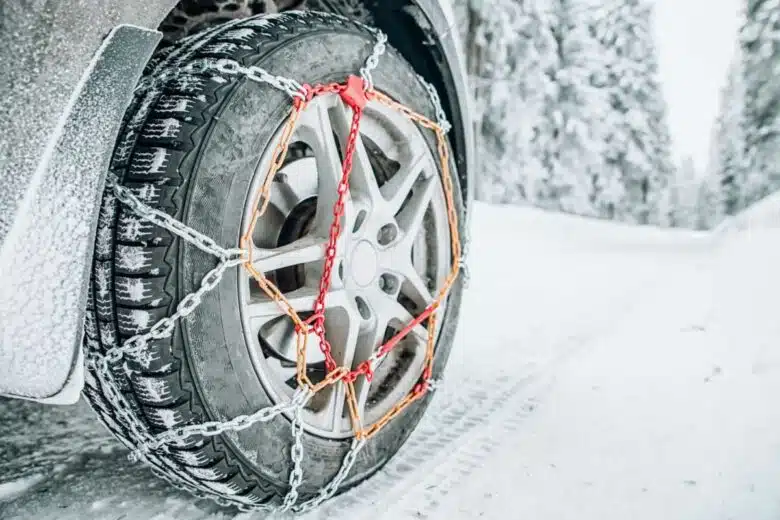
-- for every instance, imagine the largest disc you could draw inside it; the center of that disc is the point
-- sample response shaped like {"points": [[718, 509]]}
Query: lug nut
{"points": [[387, 234], [388, 283]]}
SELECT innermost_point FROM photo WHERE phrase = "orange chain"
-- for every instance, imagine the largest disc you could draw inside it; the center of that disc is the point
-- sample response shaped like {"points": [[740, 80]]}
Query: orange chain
{"points": [[354, 94]]}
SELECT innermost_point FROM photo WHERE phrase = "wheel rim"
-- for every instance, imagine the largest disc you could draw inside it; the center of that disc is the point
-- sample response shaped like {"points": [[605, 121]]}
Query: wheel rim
{"points": [[392, 257]]}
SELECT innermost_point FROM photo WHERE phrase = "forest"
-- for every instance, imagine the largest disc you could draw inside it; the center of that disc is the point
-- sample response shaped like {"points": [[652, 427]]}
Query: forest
{"points": [[572, 117]]}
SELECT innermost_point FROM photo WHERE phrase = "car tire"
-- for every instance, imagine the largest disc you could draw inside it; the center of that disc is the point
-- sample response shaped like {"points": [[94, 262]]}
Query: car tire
{"points": [[189, 147]]}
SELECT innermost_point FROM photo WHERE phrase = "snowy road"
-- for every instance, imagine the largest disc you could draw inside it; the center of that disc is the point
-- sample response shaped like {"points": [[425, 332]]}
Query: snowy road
{"points": [[601, 372]]}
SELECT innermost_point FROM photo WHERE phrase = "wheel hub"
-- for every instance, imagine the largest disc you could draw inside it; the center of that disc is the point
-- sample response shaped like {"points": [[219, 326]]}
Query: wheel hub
{"points": [[363, 265], [392, 254]]}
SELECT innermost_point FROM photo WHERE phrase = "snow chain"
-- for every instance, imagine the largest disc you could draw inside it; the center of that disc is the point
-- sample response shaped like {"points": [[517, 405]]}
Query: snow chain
{"points": [[153, 449]]}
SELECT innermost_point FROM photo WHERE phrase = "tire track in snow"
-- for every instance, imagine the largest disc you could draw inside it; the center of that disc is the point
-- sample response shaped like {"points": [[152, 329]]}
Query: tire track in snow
{"points": [[452, 441], [470, 411]]}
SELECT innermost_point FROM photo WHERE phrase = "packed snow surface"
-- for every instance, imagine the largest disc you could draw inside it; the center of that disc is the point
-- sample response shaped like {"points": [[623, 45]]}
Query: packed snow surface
{"points": [[601, 372]]}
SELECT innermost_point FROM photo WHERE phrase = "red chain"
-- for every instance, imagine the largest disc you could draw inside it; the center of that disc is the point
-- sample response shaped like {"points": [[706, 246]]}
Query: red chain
{"points": [[354, 96]]}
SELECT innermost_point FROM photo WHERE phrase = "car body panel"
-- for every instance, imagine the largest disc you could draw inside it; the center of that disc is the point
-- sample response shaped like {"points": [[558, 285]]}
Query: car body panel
{"points": [[47, 251], [72, 68]]}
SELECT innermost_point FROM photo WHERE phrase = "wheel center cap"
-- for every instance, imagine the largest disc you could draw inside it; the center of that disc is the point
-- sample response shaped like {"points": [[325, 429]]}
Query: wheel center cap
{"points": [[363, 263]]}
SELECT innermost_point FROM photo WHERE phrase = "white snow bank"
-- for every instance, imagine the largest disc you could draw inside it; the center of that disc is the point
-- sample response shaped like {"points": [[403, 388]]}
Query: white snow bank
{"points": [[671, 412], [763, 214], [542, 281]]}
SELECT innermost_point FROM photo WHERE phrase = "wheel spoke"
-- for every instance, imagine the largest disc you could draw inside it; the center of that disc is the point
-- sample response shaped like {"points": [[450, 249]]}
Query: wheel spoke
{"points": [[263, 309], [327, 413], [397, 189], [343, 327], [294, 183], [362, 181], [286, 372], [419, 287], [411, 215], [304, 250], [390, 311], [301, 300], [370, 340], [316, 129]]}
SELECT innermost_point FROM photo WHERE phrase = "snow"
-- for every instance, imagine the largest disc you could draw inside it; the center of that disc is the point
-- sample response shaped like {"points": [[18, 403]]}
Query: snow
{"points": [[133, 289], [161, 128], [241, 35], [15, 488], [600, 372], [154, 161], [132, 227], [132, 258], [154, 389]]}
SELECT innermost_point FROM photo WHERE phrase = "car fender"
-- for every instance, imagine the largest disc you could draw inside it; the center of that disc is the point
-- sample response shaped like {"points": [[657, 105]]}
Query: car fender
{"points": [[47, 250]]}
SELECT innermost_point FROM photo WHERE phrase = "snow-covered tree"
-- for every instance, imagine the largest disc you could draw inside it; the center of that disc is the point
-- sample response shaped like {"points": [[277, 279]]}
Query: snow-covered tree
{"points": [[678, 204], [569, 137], [760, 46], [709, 207], [507, 55], [638, 145], [570, 112], [729, 146]]}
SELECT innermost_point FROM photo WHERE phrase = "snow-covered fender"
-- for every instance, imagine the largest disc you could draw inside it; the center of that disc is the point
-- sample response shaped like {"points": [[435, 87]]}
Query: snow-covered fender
{"points": [[48, 213]]}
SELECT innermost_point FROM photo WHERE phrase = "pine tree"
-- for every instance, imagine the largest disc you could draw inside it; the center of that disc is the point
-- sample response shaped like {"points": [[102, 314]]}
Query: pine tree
{"points": [[729, 153], [709, 208], [638, 145], [686, 184], [569, 139], [760, 45], [507, 53]]}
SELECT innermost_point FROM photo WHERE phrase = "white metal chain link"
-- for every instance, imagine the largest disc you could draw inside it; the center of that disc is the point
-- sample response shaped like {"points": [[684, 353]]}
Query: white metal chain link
{"points": [[154, 449], [373, 60], [330, 489], [259, 75], [441, 119], [162, 219], [296, 453], [144, 442]]}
